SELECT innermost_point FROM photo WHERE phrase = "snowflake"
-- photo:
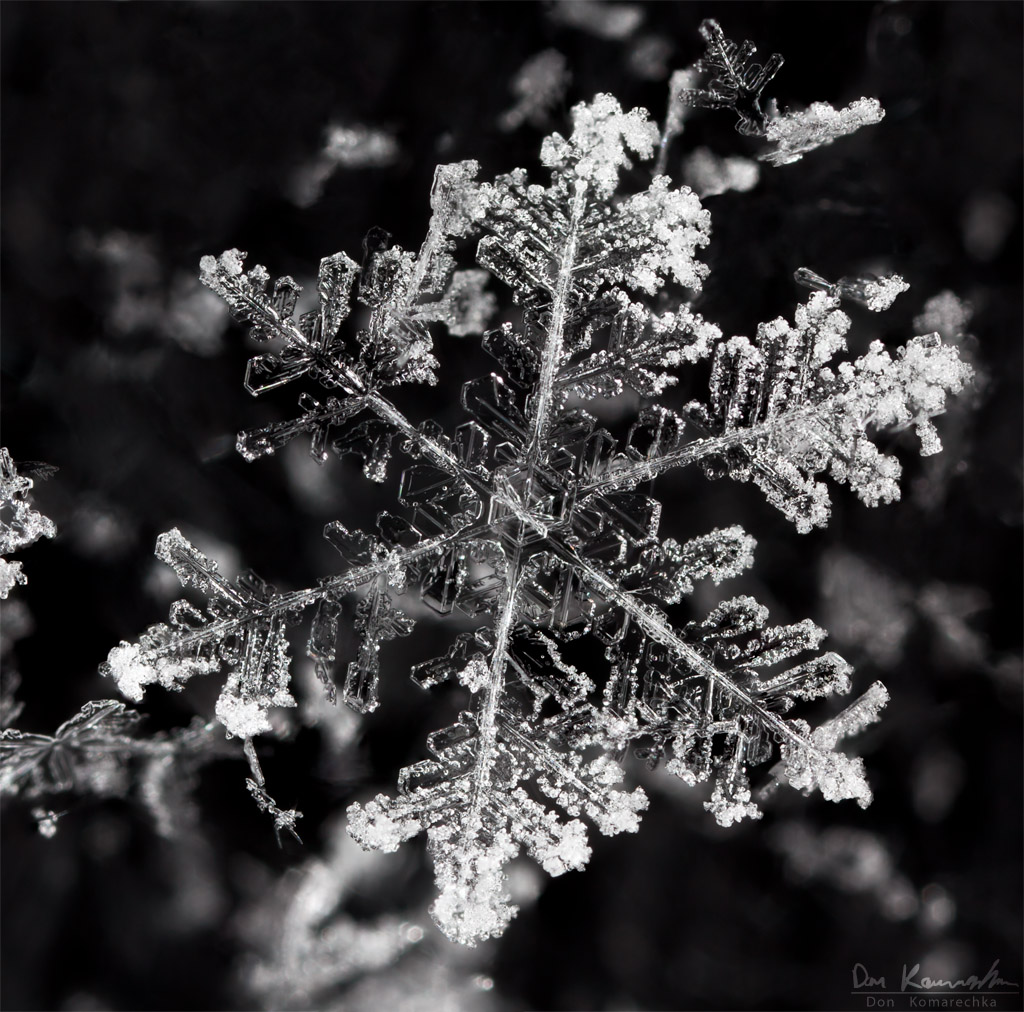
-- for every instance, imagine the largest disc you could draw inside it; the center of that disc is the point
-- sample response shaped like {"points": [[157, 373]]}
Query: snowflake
{"points": [[734, 80], [529, 521], [20, 524], [728, 77]]}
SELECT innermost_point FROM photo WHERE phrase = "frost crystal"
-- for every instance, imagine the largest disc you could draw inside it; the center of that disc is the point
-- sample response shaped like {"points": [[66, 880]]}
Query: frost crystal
{"points": [[733, 79], [796, 133], [537, 527], [877, 294], [40, 763], [20, 524], [729, 77]]}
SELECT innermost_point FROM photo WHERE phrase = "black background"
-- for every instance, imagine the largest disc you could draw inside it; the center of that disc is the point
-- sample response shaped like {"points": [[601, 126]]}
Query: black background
{"points": [[183, 123]]}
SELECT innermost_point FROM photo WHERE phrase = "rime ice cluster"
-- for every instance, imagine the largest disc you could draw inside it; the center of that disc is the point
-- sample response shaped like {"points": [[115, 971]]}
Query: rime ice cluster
{"points": [[796, 133], [529, 519], [20, 524]]}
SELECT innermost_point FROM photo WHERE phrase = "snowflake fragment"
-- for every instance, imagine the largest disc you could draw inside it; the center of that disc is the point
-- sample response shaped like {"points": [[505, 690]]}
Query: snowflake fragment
{"points": [[734, 81], [345, 147], [708, 175], [20, 524], [794, 134]]}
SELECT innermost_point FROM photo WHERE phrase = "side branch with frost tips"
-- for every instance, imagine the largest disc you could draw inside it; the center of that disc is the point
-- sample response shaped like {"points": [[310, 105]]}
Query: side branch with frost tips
{"points": [[797, 133], [193, 644], [810, 761]]}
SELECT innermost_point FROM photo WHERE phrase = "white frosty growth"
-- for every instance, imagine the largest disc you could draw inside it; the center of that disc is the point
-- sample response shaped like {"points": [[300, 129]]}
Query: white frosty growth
{"points": [[597, 148], [944, 314], [876, 293], [794, 134], [10, 576], [880, 294], [20, 524], [803, 418], [132, 671]]}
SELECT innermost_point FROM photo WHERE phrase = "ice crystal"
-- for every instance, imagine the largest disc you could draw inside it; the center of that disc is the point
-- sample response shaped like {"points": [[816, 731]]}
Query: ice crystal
{"points": [[40, 763], [796, 133], [728, 77], [529, 520], [734, 80], [20, 524]]}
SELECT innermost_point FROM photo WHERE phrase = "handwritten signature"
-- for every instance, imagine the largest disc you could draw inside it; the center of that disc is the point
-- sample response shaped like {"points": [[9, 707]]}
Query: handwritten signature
{"points": [[912, 981]]}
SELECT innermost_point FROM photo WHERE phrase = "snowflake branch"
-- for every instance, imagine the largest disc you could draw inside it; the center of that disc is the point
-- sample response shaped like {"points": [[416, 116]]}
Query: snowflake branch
{"points": [[649, 620], [551, 357]]}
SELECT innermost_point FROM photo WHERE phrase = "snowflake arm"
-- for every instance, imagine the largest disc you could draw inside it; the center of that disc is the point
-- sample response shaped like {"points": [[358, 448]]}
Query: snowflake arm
{"points": [[21, 525], [796, 133], [735, 82], [778, 415]]}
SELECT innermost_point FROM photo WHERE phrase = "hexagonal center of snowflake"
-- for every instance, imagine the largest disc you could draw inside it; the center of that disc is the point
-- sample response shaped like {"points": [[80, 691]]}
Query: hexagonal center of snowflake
{"points": [[526, 502]]}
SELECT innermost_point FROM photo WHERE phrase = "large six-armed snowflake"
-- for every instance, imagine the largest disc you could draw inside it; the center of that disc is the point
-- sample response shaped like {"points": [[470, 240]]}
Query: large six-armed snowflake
{"points": [[527, 519]]}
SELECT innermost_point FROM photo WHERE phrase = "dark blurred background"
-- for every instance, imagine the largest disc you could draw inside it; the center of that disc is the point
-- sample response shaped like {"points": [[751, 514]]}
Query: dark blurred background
{"points": [[138, 137]]}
